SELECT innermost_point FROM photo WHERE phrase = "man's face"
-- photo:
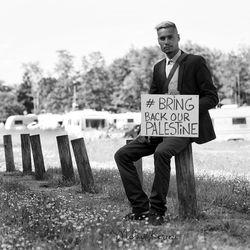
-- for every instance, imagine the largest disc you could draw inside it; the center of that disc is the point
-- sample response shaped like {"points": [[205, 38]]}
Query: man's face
{"points": [[168, 40]]}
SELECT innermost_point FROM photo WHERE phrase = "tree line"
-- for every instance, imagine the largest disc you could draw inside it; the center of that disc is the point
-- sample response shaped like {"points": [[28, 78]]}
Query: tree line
{"points": [[116, 87]]}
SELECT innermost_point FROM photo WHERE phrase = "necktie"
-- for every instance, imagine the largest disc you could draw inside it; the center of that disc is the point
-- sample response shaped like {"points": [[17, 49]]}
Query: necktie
{"points": [[169, 66]]}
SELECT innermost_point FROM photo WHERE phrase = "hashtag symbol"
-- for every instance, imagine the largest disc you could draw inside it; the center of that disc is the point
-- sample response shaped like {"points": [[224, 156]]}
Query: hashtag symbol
{"points": [[150, 103]]}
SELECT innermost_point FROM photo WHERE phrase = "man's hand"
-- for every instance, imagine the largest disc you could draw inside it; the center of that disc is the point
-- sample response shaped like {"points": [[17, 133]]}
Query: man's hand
{"points": [[143, 139]]}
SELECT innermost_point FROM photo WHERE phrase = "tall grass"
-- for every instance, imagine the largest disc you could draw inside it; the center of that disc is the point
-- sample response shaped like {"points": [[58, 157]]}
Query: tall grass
{"points": [[219, 191], [62, 217], [68, 219]]}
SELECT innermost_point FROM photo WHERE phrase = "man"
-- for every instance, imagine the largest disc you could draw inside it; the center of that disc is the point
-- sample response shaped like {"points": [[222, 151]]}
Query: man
{"points": [[191, 77]]}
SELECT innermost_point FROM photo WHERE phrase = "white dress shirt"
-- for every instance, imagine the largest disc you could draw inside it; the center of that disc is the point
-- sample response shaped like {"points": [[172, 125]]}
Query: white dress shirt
{"points": [[172, 87]]}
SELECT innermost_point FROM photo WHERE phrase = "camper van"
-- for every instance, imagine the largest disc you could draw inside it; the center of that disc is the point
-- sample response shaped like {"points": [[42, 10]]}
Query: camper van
{"points": [[20, 121], [48, 121], [126, 121], [231, 122], [83, 122]]}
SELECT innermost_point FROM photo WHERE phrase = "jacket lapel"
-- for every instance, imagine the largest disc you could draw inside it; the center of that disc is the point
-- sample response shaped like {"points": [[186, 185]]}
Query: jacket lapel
{"points": [[180, 76], [163, 73]]}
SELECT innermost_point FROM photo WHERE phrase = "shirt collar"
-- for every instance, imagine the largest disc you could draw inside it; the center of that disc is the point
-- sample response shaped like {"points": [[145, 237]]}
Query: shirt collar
{"points": [[174, 59]]}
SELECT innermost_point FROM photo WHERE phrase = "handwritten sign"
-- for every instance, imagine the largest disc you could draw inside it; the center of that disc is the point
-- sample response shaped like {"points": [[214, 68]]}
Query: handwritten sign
{"points": [[170, 115]]}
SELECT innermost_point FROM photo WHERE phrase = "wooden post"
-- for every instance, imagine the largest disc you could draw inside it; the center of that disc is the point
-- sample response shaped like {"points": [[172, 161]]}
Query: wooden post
{"points": [[9, 158], [138, 165], [83, 166], [65, 157], [26, 153], [186, 183], [37, 156]]}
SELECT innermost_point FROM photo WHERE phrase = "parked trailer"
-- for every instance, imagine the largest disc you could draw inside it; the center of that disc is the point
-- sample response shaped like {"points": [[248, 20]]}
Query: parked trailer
{"points": [[48, 121], [126, 120], [86, 122], [231, 122], [20, 121]]}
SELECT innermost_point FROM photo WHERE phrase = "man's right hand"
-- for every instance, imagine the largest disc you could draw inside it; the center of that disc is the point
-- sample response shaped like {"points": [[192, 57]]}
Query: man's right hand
{"points": [[143, 139]]}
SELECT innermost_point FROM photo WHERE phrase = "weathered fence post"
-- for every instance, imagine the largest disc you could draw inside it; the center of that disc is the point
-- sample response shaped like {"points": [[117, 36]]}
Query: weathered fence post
{"points": [[9, 158], [37, 156], [26, 153], [138, 165], [186, 183], [83, 166], [65, 157]]}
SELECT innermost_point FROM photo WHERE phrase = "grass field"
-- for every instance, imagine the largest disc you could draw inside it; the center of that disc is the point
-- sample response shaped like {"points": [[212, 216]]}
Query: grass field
{"points": [[62, 217], [230, 159]]}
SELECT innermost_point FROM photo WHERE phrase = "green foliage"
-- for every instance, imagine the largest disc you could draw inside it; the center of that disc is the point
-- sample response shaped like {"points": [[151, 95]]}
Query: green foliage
{"points": [[62, 94], [9, 105], [47, 87], [228, 71], [95, 92], [118, 71], [118, 86], [94, 88], [61, 98], [8, 102], [133, 78], [216, 61], [24, 93], [65, 65], [244, 74], [33, 74]]}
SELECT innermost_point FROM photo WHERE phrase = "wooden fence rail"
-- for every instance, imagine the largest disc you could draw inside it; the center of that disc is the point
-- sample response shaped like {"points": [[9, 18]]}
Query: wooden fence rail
{"points": [[83, 166], [65, 157], [37, 156], [26, 153], [186, 183], [183, 161], [185, 180], [8, 149]]}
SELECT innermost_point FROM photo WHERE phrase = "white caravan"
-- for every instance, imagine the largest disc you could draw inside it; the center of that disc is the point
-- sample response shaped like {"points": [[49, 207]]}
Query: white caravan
{"points": [[125, 121], [88, 123], [20, 121], [48, 121], [231, 122]]}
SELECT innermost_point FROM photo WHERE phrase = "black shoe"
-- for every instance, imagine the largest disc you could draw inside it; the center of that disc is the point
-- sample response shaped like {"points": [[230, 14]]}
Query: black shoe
{"points": [[156, 219], [137, 216]]}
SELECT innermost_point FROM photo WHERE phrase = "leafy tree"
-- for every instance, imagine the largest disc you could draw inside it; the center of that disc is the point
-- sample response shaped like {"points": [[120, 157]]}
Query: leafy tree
{"points": [[24, 93], [61, 97], [216, 62], [134, 78], [116, 87], [47, 86], [243, 80], [34, 72], [9, 104], [118, 71], [95, 89], [93, 60]]}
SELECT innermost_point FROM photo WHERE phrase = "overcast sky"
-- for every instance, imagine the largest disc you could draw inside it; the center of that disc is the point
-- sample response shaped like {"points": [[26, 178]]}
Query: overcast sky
{"points": [[33, 30]]}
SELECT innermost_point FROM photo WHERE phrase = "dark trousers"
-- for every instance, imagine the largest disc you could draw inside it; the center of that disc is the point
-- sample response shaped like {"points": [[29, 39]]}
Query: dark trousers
{"points": [[163, 150]]}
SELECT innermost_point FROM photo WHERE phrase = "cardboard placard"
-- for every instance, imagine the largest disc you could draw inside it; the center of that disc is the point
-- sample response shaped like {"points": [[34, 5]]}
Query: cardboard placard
{"points": [[170, 115]]}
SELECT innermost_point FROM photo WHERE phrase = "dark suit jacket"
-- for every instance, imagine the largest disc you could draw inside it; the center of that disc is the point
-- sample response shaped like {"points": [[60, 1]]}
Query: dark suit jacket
{"points": [[194, 79]]}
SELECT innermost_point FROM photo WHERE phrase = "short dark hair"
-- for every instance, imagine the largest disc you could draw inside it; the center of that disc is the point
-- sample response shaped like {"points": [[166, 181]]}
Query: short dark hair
{"points": [[166, 24]]}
